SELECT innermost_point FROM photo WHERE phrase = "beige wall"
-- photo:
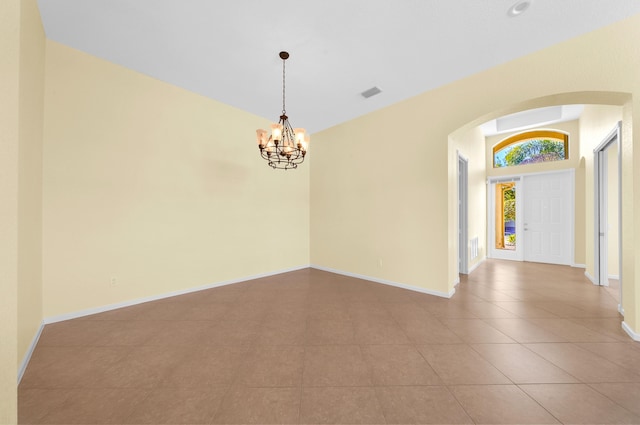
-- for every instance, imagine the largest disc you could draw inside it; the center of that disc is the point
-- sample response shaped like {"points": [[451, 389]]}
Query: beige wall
{"points": [[9, 142], [470, 144], [32, 53], [572, 128], [155, 186], [379, 182], [21, 105], [596, 123]]}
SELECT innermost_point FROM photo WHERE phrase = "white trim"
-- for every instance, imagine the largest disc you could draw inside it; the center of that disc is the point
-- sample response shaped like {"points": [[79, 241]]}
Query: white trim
{"points": [[476, 265], [634, 335], [29, 353], [456, 281], [579, 266], [621, 310], [109, 307], [614, 276], [591, 278], [387, 282]]}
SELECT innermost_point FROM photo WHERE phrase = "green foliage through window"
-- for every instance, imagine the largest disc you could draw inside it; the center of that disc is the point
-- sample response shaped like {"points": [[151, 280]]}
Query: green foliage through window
{"points": [[531, 148]]}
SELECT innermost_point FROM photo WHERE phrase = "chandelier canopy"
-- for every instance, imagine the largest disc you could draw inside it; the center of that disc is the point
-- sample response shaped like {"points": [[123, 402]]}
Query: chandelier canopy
{"points": [[285, 148]]}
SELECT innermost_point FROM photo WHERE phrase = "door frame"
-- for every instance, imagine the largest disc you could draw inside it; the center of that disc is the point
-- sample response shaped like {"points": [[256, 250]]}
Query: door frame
{"points": [[600, 211], [463, 214], [518, 253]]}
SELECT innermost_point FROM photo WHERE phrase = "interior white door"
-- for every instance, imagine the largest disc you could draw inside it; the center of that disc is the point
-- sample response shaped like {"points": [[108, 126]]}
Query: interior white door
{"points": [[547, 219]]}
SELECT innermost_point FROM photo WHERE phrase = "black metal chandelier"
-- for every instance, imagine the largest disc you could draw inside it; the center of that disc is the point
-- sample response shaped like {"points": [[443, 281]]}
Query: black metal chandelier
{"points": [[285, 148]]}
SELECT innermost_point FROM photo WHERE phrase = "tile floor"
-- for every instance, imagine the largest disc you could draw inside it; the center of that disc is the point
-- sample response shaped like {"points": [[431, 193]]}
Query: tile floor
{"points": [[519, 343]]}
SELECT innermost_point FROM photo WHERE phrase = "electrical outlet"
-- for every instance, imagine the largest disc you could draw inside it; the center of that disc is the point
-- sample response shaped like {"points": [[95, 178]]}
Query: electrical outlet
{"points": [[113, 281]]}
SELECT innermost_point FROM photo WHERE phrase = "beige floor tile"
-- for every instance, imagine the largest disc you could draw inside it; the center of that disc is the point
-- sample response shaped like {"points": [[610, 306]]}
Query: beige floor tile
{"points": [[625, 394], [524, 309], [579, 404], [484, 309], [281, 331], [449, 310], [523, 331], [561, 309], [610, 327], [335, 365], [399, 365], [407, 312], [75, 333], [84, 367], [132, 333], [35, 404], [379, 332], [624, 354], [459, 364], [584, 365], [343, 405], [521, 365], [329, 332], [476, 331], [143, 367], [429, 331], [421, 405], [319, 331], [259, 406], [500, 404], [206, 366], [338, 310], [174, 406], [571, 331], [179, 333], [272, 366], [231, 332], [96, 406]]}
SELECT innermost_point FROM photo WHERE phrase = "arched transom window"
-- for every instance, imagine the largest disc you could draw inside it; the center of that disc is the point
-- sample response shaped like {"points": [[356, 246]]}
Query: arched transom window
{"points": [[531, 147]]}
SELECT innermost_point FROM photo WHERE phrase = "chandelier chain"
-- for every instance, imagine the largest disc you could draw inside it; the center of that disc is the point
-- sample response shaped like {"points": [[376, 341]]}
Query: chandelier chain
{"points": [[284, 111]]}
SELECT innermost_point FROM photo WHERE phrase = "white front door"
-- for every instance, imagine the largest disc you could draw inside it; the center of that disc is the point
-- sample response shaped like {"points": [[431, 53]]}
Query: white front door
{"points": [[548, 233]]}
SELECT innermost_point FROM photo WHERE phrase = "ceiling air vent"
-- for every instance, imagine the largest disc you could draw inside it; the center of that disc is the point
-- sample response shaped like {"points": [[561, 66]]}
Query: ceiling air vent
{"points": [[371, 92]]}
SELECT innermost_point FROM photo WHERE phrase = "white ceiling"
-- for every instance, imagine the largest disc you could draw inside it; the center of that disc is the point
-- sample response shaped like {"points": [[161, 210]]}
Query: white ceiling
{"points": [[228, 49]]}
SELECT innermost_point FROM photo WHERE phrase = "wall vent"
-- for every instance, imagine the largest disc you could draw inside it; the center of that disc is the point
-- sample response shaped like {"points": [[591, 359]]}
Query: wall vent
{"points": [[473, 248], [371, 92]]}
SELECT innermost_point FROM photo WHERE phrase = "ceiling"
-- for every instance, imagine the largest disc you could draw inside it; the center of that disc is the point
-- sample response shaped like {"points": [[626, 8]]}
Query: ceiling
{"points": [[227, 50]]}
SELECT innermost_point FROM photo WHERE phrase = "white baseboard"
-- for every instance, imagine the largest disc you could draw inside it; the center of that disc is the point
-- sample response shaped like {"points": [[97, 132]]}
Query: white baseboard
{"points": [[29, 353], [109, 307], [614, 276], [591, 278], [579, 266], [634, 335], [621, 310], [387, 282], [476, 265]]}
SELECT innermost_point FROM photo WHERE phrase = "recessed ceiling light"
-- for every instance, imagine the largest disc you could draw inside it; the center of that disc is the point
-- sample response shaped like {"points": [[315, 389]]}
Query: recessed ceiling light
{"points": [[519, 8]]}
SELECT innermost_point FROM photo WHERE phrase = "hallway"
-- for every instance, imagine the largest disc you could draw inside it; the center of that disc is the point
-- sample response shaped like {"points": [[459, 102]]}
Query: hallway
{"points": [[518, 343]]}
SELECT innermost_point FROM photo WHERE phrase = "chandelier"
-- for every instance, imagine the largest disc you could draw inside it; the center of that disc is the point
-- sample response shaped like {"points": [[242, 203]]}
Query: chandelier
{"points": [[285, 148]]}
